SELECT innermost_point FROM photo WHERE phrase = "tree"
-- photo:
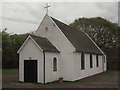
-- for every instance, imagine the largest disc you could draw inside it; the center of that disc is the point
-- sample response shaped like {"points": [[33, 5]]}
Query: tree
{"points": [[103, 32], [10, 45]]}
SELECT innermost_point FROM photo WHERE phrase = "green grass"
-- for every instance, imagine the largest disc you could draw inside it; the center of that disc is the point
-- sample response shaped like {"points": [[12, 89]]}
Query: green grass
{"points": [[0, 71], [9, 71]]}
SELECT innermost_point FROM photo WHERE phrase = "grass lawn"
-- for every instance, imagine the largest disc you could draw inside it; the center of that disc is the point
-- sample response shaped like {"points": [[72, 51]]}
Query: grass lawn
{"points": [[0, 71], [9, 71]]}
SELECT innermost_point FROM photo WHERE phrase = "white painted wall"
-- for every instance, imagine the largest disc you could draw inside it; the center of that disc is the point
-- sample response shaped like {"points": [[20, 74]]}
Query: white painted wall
{"points": [[67, 66], [105, 63], [31, 50], [54, 35], [51, 75], [58, 39], [78, 73], [70, 62]]}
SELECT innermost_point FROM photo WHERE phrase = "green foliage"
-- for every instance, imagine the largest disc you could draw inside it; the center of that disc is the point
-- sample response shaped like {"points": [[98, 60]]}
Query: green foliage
{"points": [[9, 71], [104, 33], [10, 45]]}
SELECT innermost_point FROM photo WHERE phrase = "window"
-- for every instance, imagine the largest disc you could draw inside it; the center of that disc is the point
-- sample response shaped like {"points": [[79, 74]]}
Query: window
{"points": [[91, 65], [54, 64], [46, 28], [82, 61], [97, 62]]}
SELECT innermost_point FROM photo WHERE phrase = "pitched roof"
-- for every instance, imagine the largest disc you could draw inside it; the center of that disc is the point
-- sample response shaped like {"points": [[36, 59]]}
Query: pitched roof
{"points": [[45, 44], [78, 39]]}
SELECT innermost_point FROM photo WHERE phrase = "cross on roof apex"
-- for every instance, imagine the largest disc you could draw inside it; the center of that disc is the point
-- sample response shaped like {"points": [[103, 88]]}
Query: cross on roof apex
{"points": [[47, 6]]}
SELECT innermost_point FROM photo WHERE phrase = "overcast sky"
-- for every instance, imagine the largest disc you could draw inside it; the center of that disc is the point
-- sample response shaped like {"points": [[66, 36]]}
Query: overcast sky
{"points": [[25, 17]]}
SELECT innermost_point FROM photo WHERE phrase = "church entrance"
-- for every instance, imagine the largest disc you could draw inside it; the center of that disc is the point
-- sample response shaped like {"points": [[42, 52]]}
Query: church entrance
{"points": [[30, 71]]}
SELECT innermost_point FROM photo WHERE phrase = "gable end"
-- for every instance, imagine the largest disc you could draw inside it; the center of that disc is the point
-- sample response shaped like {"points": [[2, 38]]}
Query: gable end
{"points": [[29, 37]]}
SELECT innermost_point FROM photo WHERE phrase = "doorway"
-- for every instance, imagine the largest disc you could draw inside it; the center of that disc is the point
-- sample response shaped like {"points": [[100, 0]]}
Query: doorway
{"points": [[30, 71]]}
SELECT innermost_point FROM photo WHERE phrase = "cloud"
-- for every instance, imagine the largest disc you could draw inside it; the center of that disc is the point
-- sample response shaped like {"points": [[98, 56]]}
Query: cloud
{"points": [[108, 10], [67, 9], [68, 12], [64, 11], [22, 10], [34, 9]]}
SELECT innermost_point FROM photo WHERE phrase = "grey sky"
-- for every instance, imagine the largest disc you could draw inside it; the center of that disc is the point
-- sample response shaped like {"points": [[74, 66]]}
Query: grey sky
{"points": [[66, 12]]}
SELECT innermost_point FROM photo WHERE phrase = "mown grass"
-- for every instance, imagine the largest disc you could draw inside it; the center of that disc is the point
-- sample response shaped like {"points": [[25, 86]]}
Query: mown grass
{"points": [[9, 71]]}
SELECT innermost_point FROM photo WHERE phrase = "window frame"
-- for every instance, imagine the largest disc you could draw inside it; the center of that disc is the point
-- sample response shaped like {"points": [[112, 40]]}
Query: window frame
{"points": [[82, 61], [54, 64], [97, 61], [91, 61]]}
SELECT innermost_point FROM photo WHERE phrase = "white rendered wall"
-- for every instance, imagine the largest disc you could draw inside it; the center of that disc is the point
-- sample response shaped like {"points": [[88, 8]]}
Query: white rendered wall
{"points": [[51, 75], [70, 69], [54, 35], [79, 74], [31, 50], [58, 39], [67, 66], [105, 63]]}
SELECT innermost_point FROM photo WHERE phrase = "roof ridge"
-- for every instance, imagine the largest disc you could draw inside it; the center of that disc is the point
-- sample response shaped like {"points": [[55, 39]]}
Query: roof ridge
{"points": [[60, 21], [77, 38], [67, 25]]}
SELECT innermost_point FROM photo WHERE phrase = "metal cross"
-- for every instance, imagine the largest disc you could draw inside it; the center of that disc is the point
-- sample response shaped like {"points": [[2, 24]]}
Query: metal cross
{"points": [[47, 6]]}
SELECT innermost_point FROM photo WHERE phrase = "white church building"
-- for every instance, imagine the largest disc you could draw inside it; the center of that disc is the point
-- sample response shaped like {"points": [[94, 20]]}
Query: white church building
{"points": [[57, 50]]}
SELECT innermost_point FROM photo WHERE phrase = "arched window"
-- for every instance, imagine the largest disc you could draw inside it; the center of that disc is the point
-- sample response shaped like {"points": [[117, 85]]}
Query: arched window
{"points": [[54, 64]]}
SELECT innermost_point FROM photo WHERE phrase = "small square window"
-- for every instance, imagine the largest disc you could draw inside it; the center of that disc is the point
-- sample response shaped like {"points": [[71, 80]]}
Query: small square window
{"points": [[46, 28]]}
